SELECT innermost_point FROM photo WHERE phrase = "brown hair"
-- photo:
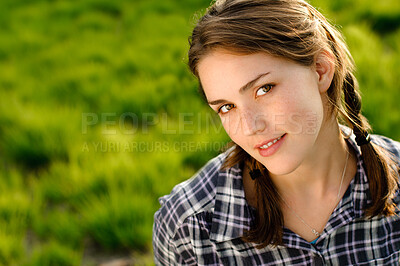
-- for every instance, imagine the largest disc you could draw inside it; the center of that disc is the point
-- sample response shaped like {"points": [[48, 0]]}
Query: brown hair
{"points": [[294, 30]]}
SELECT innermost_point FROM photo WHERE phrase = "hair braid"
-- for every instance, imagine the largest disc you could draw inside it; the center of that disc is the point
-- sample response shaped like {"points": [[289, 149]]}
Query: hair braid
{"points": [[381, 176], [269, 217]]}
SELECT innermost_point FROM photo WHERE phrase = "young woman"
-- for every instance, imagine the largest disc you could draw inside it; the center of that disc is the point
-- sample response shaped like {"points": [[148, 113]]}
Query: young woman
{"points": [[297, 187]]}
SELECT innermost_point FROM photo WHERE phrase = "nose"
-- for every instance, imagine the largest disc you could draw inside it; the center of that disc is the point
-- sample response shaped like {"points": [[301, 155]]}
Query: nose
{"points": [[252, 122]]}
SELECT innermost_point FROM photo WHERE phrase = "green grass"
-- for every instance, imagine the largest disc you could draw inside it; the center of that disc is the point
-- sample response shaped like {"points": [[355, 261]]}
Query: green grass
{"points": [[54, 253], [99, 117], [12, 234]]}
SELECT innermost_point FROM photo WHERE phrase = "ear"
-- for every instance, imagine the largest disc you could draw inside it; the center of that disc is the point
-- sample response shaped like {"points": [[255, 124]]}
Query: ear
{"points": [[325, 69]]}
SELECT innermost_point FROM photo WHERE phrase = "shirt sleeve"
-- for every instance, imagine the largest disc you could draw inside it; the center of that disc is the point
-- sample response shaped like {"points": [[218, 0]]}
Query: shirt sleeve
{"points": [[171, 250]]}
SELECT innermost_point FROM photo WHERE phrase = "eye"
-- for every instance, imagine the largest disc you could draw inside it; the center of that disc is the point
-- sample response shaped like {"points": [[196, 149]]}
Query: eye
{"points": [[264, 89], [225, 108]]}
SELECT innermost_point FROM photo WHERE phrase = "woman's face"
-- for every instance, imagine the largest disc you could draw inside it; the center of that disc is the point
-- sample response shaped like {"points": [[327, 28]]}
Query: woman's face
{"points": [[269, 106]]}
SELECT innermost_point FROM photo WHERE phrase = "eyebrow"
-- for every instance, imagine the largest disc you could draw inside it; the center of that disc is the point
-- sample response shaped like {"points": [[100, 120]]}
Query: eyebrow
{"points": [[244, 88]]}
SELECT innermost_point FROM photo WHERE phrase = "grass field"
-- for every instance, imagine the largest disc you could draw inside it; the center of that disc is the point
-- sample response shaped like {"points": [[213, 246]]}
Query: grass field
{"points": [[99, 117]]}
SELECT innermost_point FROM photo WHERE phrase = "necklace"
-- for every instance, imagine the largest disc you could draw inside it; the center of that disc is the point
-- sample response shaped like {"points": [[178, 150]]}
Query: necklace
{"points": [[315, 232]]}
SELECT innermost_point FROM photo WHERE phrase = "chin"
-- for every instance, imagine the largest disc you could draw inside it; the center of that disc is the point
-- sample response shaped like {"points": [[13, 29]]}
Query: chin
{"points": [[279, 171], [281, 168]]}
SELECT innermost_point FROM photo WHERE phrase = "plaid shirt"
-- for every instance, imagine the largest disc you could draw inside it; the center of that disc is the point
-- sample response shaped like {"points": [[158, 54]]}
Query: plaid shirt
{"points": [[202, 220]]}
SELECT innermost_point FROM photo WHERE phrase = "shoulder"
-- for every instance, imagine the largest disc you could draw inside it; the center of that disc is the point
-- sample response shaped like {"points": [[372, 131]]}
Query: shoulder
{"points": [[191, 197], [392, 146]]}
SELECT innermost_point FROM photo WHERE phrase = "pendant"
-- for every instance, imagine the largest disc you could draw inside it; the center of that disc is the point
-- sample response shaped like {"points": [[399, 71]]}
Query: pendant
{"points": [[315, 232]]}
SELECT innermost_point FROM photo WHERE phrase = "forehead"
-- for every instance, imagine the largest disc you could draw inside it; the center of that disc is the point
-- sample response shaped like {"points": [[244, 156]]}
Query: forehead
{"points": [[225, 61], [221, 69]]}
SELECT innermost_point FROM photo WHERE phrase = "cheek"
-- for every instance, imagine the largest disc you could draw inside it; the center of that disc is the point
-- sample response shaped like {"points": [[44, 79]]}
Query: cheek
{"points": [[303, 113], [306, 122], [232, 127]]}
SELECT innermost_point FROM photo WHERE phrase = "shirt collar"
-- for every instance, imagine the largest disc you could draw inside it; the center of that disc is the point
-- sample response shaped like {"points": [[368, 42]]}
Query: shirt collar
{"points": [[357, 193], [232, 215]]}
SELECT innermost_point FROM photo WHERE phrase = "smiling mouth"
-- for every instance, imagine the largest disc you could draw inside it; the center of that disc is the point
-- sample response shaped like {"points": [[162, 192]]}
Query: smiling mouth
{"points": [[269, 144]]}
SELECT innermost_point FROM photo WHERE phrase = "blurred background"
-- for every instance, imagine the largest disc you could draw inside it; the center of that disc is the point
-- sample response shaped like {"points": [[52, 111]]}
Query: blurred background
{"points": [[99, 116]]}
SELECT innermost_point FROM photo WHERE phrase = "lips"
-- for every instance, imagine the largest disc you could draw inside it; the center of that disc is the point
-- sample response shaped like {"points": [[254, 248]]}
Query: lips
{"points": [[269, 143], [270, 147]]}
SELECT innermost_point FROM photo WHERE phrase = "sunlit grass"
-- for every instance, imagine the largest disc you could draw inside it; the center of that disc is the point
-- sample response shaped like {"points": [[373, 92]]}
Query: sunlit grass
{"points": [[12, 232], [119, 220], [54, 253]]}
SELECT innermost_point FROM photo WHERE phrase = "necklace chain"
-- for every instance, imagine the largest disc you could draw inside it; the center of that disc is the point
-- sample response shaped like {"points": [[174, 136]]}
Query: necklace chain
{"points": [[344, 172], [315, 232]]}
